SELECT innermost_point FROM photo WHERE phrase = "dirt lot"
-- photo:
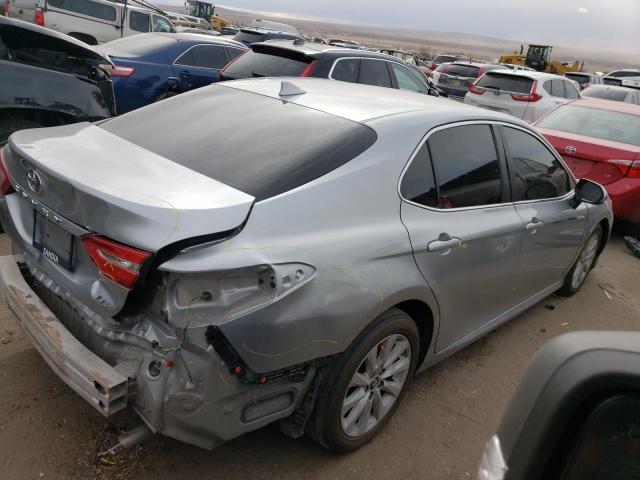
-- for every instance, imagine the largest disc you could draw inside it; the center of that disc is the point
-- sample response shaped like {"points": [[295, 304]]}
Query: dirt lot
{"points": [[48, 432]]}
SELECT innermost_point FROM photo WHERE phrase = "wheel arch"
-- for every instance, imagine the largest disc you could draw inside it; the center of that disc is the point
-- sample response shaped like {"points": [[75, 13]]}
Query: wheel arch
{"points": [[421, 313], [606, 230]]}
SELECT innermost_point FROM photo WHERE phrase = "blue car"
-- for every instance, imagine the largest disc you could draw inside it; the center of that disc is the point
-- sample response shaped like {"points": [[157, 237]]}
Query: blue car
{"points": [[152, 66]]}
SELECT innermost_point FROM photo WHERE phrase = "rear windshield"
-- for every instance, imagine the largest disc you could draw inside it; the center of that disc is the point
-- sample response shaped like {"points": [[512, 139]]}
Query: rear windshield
{"points": [[444, 58], [463, 70], [263, 61], [605, 93], [507, 83], [262, 147], [139, 45], [594, 122]]}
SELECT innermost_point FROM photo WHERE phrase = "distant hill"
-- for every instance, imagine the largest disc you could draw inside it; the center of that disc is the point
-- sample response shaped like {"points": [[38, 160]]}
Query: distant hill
{"points": [[430, 42]]}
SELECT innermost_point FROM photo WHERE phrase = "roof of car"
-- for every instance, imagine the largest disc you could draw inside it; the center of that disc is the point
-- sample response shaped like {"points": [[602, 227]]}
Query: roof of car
{"points": [[607, 105], [199, 37], [604, 86], [354, 101], [312, 49]]}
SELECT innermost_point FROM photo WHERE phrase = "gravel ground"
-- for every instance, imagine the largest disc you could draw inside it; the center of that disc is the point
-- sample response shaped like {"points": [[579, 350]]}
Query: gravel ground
{"points": [[48, 432]]}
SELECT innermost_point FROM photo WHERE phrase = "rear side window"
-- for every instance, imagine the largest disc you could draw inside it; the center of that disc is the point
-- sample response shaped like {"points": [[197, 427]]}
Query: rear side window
{"points": [[234, 52], [268, 62], [139, 21], [579, 77], [374, 72], [554, 87], [161, 24], [86, 7], [466, 166], [346, 70], [206, 56], [418, 184], [264, 146], [505, 82], [463, 70], [536, 172]]}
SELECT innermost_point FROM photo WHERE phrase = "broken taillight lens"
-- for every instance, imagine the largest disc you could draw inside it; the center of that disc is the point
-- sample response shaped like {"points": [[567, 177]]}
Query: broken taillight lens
{"points": [[628, 168], [5, 183], [119, 263]]}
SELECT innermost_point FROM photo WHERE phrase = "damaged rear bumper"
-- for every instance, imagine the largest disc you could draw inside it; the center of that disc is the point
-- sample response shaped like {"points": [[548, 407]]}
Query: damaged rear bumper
{"points": [[86, 373]]}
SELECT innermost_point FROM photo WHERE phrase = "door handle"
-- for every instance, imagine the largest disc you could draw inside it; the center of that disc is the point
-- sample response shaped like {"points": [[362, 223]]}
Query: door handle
{"points": [[444, 244], [533, 226]]}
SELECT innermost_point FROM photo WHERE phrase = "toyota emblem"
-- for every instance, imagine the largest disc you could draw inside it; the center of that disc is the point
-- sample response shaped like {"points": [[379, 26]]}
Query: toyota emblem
{"points": [[570, 149], [34, 181]]}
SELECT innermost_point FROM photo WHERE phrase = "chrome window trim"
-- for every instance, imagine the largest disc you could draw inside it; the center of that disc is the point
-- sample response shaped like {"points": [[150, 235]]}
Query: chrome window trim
{"points": [[461, 123], [199, 45]]}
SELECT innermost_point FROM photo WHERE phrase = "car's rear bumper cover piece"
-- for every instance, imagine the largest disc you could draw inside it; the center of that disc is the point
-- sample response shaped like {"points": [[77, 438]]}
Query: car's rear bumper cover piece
{"points": [[87, 374]]}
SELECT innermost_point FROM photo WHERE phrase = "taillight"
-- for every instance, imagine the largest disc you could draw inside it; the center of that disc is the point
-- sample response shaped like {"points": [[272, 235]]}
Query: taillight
{"points": [[5, 183], [530, 97], [628, 168], [476, 90], [117, 71], [118, 263], [39, 18], [309, 70], [480, 72]]}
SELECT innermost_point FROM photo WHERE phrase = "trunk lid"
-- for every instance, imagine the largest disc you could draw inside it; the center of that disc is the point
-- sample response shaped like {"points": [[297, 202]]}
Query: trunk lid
{"points": [[115, 188], [591, 158]]}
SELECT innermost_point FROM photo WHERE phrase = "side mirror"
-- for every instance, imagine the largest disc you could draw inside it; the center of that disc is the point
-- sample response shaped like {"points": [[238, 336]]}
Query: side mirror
{"points": [[588, 192]]}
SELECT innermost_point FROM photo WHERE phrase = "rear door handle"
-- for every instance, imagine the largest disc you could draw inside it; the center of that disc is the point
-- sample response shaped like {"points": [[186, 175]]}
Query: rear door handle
{"points": [[533, 226], [444, 244]]}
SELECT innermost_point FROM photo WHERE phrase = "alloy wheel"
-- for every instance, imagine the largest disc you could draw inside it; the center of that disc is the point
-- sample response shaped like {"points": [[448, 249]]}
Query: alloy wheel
{"points": [[585, 261], [375, 385]]}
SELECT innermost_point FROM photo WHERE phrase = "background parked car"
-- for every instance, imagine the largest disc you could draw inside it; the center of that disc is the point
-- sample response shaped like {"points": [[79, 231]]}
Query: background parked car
{"points": [[98, 21], [517, 68], [585, 79], [457, 77], [267, 31], [304, 59], [526, 95], [435, 74], [615, 77], [438, 59], [612, 92], [600, 140], [230, 30], [188, 21], [410, 58], [152, 66], [49, 79], [199, 31]]}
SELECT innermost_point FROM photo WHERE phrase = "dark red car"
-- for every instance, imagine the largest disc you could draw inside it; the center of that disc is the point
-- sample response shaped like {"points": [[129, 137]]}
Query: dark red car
{"points": [[600, 140]]}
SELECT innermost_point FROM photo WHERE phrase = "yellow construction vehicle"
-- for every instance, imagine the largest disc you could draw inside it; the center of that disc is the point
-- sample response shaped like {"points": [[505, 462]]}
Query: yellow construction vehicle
{"points": [[205, 9], [538, 57]]}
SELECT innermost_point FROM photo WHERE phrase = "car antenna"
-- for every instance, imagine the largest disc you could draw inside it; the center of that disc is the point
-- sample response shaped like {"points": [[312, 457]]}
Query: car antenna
{"points": [[288, 89]]}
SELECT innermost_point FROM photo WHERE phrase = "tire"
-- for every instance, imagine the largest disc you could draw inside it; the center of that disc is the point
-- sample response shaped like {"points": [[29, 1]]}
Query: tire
{"points": [[393, 332], [161, 97], [584, 263]]}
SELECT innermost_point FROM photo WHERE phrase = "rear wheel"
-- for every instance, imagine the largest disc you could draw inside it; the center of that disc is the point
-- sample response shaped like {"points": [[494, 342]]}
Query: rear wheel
{"points": [[366, 385], [585, 262]]}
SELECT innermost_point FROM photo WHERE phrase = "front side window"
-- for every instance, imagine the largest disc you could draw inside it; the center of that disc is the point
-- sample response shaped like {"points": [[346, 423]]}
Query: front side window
{"points": [[374, 72], [418, 184], [466, 166], [346, 70], [139, 21], [161, 24], [407, 80], [536, 173], [570, 91]]}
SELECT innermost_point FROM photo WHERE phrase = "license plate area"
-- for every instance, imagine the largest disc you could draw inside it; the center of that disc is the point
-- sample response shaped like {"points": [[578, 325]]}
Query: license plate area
{"points": [[456, 83], [52, 241]]}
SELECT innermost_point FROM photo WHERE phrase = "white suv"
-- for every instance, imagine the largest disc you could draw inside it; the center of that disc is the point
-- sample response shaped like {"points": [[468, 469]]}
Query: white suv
{"points": [[523, 94]]}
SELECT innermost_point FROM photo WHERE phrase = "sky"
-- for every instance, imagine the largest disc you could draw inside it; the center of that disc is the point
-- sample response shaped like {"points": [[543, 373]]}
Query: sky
{"points": [[601, 24]]}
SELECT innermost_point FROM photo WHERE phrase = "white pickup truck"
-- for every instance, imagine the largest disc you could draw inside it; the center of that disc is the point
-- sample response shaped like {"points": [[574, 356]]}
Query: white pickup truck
{"points": [[92, 21]]}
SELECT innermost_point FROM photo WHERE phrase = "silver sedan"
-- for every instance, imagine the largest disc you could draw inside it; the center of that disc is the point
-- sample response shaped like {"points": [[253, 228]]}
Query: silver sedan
{"points": [[289, 250]]}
